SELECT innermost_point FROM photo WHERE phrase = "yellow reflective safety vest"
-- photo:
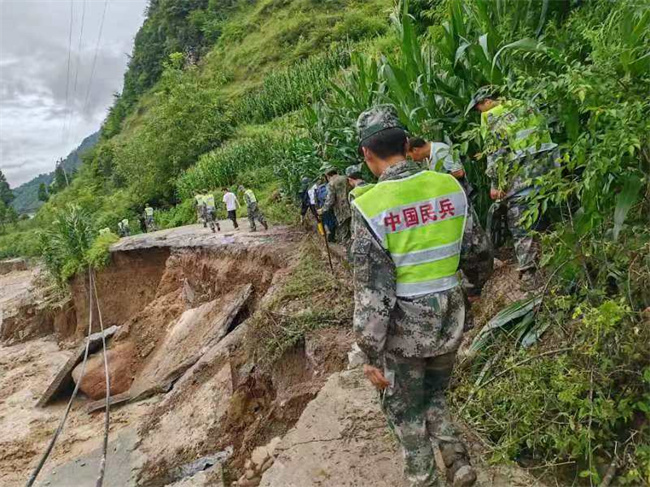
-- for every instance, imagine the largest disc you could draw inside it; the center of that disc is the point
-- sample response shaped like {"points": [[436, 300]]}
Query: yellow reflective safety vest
{"points": [[148, 211], [199, 199], [420, 221], [249, 197], [208, 199]]}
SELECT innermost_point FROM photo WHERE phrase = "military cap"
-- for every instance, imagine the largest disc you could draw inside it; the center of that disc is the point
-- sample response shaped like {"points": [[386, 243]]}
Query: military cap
{"points": [[354, 170], [327, 168], [377, 119]]}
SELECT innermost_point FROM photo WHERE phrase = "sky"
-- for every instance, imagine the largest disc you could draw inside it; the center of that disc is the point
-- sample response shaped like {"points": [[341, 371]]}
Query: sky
{"points": [[44, 112]]}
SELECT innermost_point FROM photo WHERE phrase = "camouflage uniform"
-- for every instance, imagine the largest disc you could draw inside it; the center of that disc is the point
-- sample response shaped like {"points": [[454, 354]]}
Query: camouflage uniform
{"points": [[519, 150], [414, 340], [254, 212], [337, 201]]}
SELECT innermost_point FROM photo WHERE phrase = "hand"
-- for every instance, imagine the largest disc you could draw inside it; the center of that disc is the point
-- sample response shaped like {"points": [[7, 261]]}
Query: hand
{"points": [[376, 377], [458, 174], [497, 194], [319, 211]]}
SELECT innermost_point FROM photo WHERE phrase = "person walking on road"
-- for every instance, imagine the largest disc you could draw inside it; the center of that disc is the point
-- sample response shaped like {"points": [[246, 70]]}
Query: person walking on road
{"points": [[253, 209], [411, 235], [337, 202], [232, 204], [148, 219], [307, 197]]}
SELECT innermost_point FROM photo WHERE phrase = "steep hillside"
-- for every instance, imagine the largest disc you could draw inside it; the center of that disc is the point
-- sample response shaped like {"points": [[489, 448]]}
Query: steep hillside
{"points": [[26, 195]]}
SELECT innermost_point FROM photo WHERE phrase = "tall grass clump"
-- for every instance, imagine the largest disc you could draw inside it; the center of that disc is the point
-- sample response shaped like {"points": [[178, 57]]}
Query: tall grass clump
{"points": [[64, 246]]}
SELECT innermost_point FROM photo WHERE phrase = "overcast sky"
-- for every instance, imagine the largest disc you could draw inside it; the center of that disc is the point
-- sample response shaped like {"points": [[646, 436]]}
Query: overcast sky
{"points": [[34, 38]]}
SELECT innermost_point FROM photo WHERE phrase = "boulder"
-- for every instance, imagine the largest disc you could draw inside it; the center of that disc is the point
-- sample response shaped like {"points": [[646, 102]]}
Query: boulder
{"points": [[93, 384]]}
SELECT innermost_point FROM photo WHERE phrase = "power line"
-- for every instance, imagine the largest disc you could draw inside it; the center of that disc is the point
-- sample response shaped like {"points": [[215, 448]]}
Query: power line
{"points": [[92, 69], [67, 76], [76, 75]]}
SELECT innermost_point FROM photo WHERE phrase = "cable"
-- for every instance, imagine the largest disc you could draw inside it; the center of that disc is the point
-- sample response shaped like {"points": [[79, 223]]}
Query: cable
{"points": [[92, 70], [50, 446], [76, 75], [102, 463], [67, 76]]}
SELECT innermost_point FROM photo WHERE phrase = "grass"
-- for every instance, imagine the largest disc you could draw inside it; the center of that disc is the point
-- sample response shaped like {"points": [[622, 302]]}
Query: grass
{"points": [[311, 298]]}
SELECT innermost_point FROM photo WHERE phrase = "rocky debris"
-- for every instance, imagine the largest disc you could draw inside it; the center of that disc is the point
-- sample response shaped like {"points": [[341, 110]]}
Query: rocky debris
{"points": [[30, 309], [63, 378], [260, 461], [195, 332], [93, 383], [340, 440], [181, 425], [12, 265]]}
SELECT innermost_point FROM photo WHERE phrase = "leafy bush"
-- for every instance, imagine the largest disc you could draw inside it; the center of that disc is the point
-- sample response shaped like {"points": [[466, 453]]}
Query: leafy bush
{"points": [[98, 255], [65, 245]]}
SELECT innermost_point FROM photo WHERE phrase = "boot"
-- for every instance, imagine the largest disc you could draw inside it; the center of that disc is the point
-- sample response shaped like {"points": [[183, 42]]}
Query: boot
{"points": [[266, 225], [459, 470]]}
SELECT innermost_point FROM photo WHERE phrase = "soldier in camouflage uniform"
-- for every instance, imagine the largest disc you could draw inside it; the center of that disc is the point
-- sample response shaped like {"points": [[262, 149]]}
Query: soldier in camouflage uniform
{"points": [[337, 201], [410, 331], [254, 212], [519, 149]]}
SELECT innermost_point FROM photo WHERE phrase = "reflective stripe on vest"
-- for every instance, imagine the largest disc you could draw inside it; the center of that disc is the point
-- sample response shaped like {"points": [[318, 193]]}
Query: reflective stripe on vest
{"points": [[420, 221], [250, 196]]}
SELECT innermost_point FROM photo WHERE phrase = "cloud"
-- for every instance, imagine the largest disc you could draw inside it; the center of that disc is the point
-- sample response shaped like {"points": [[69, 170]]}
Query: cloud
{"points": [[44, 113]]}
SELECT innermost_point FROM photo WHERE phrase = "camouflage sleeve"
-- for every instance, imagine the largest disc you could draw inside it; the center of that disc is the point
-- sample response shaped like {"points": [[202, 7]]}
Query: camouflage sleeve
{"points": [[374, 290], [476, 258], [329, 198]]}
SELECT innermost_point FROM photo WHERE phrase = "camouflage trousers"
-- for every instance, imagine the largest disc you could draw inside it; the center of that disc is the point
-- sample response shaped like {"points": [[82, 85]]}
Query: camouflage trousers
{"points": [[525, 250], [416, 409], [254, 213]]}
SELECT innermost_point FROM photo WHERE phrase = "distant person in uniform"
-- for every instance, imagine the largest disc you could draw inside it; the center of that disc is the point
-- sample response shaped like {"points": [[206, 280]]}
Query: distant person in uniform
{"points": [[253, 209]]}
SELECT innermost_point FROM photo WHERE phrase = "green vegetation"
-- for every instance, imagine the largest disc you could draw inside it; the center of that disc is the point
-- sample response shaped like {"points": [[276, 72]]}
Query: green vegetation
{"points": [[311, 298], [263, 92]]}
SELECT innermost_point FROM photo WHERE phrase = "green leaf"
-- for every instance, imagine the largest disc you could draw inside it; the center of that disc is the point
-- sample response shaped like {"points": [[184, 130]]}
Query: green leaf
{"points": [[625, 201]]}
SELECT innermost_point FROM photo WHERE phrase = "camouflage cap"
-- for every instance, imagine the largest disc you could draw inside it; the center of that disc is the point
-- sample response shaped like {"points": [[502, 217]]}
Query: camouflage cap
{"points": [[353, 171], [327, 168], [377, 119]]}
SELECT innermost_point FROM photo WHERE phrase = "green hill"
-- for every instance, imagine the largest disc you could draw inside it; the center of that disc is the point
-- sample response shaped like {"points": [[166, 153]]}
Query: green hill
{"points": [[26, 195]]}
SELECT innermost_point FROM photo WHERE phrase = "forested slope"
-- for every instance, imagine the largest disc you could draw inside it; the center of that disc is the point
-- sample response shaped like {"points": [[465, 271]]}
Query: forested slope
{"points": [[262, 92]]}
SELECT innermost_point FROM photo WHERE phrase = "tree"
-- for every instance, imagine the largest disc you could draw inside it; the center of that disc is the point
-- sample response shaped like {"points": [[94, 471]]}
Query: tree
{"points": [[60, 179], [6, 196], [42, 193]]}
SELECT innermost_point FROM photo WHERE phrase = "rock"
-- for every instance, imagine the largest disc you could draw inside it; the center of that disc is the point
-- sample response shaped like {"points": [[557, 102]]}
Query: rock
{"points": [[338, 428], [267, 464], [250, 473], [273, 444], [93, 383], [260, 454], [356, 357], [254, 482]]}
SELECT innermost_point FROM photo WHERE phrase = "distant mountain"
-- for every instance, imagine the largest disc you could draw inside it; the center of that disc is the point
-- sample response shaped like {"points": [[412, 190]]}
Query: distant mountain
{"points": [[26, 200]]}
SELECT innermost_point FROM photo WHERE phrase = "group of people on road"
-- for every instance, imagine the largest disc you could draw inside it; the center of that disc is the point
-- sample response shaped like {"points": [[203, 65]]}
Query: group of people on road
{"points": [[206, 212], [206, 208], [417, 247]]}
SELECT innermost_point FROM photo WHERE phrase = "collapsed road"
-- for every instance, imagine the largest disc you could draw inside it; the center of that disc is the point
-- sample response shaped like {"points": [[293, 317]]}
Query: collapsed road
{"points": [[191, 405]]}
